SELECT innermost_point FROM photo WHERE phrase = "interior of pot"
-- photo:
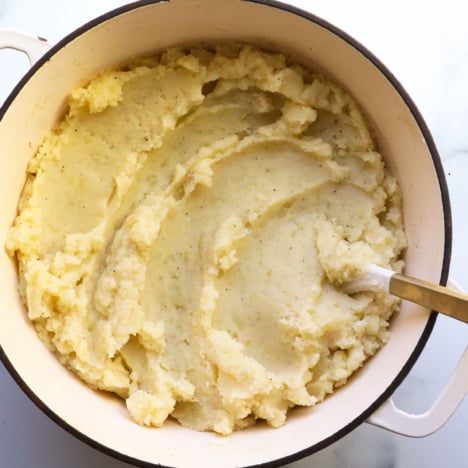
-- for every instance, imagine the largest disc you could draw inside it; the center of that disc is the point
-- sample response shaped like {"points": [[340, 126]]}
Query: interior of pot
{"points": [[147, 27]]}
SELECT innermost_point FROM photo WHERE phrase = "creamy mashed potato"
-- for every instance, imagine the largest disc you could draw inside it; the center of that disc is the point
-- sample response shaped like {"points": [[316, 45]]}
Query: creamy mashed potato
{"points": [[184, 232]]}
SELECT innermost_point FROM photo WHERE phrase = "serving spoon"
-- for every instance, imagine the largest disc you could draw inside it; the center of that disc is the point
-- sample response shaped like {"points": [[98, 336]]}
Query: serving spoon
{"points": [[433, 296]]}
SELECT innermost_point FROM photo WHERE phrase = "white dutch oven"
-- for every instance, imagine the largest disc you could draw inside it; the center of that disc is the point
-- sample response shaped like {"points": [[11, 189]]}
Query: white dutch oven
{"points": [[146, 27]]}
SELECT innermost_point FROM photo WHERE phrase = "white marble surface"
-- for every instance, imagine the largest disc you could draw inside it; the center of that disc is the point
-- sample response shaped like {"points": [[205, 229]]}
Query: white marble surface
{"points": [[425, 44]]}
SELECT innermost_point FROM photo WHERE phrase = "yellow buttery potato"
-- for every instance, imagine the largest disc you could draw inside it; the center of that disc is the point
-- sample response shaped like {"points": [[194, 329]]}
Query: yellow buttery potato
{"points": [[184, 232]]}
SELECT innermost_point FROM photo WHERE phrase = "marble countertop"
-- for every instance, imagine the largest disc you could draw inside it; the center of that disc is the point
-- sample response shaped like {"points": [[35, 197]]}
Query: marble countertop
{"points": [[425, 44]]}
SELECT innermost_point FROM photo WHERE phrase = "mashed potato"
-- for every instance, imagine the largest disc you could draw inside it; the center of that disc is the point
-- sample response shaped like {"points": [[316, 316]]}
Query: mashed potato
{"points": [[184, 232]]}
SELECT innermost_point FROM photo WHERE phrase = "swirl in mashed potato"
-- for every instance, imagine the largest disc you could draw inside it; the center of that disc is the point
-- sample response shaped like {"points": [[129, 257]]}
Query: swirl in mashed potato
{"points": [[184, 231]]}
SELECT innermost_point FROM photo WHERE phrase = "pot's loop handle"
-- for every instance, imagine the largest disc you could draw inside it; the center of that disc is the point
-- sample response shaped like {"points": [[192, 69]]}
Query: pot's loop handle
{"points": [[33, 46], [391, 418]]}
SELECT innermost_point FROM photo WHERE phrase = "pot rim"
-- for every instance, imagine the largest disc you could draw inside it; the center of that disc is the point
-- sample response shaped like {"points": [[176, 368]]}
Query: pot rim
{"points": [[398, 87]]}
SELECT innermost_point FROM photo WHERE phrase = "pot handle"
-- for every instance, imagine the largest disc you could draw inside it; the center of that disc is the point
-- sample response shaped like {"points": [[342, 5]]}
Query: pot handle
{"points": [[393, 419], [33, 46]]}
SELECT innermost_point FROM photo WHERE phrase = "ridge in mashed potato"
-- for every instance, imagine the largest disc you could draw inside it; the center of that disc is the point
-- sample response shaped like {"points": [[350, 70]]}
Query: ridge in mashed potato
{"points": [[184, 231]]}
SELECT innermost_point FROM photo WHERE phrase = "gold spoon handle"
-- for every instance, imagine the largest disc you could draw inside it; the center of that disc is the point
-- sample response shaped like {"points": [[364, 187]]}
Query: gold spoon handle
{"points": [[444, 300]]}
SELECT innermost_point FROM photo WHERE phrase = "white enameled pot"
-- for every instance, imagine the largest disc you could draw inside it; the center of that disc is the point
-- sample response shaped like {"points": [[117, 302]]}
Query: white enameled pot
{"points": [[143, 28]]}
